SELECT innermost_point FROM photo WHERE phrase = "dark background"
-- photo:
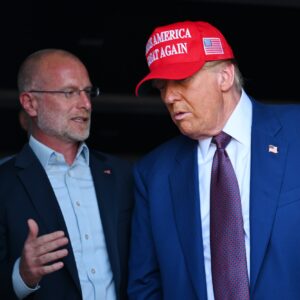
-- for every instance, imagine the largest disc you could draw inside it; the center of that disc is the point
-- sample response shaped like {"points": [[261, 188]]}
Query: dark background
{"points": [[110, 39]]}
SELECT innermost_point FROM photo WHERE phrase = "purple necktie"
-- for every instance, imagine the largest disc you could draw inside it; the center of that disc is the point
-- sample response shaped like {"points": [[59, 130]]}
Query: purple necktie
{"points": [[227, 243]]}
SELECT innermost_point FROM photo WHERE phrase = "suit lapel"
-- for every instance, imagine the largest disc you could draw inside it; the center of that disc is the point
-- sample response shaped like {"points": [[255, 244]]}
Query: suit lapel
{"points": [[266, 176], [185, 199], [41, 194], [106, 189]]}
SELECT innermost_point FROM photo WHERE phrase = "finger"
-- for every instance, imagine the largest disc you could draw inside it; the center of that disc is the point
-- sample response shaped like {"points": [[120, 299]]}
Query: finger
{"points": [[51, 268], [45, 270], [53, 236], [33, 229], [51, 246], [51, 257]]}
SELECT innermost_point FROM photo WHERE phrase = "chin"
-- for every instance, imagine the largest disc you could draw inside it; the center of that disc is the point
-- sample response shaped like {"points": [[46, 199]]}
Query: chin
{"points": [[80, 137]]}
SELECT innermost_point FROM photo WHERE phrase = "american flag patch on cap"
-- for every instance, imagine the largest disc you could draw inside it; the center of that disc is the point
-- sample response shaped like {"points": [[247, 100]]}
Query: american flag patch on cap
{"points": [[212, 46]]}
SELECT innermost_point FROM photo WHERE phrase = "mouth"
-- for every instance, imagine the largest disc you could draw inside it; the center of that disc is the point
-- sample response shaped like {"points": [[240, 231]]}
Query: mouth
{"points": [[81, 120], [178, 116]]}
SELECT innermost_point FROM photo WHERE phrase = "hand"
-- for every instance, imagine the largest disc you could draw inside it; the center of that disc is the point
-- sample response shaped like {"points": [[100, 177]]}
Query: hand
{"points": [[39, 254]]}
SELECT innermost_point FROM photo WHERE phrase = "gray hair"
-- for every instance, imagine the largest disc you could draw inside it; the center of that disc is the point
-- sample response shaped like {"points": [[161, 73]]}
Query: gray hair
{"points": [[238, 77]]}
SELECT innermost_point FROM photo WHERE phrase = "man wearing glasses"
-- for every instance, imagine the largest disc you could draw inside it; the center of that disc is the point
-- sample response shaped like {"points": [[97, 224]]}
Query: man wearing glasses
{"points": [[64, 209]]}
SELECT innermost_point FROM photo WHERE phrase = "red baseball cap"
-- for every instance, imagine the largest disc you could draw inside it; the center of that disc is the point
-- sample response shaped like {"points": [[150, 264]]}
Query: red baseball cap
{"points": [[178, 50]]}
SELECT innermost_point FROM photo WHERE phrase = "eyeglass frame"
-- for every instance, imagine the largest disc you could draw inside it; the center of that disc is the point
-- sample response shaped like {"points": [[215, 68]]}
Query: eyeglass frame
{"points": [[72, 92]]}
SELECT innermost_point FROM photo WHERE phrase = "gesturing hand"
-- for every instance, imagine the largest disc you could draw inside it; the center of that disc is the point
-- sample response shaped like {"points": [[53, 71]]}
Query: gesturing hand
{"points": [[40, 255]]}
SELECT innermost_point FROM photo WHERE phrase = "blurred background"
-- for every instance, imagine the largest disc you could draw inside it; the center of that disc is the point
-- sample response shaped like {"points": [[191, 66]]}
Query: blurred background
{"points": [[110, 39]]}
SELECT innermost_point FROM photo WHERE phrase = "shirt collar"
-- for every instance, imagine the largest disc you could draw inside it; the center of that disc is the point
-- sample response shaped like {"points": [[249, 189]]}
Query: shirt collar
{"points": [[47, 155], [238, 125]]}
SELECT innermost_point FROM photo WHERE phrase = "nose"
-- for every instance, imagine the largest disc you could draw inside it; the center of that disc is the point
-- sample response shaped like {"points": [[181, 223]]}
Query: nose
{"points": [[85, 100], [170, 92]]}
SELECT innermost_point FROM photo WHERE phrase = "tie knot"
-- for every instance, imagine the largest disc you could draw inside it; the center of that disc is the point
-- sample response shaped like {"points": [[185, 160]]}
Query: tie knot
{"points": [[221, 140]]}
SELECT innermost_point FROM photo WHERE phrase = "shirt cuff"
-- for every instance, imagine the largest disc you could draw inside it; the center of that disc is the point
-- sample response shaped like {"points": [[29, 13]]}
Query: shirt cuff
{"points": [[20, 287]]}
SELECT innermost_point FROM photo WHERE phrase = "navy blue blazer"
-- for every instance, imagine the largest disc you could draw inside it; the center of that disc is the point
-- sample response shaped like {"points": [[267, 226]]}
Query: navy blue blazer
{"points": [[25, 192], [166, 260]]}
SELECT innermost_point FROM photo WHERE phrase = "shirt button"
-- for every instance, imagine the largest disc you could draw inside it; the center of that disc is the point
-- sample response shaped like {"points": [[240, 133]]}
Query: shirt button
{"points": [[86, 236], [77, 203], [93, 271]]}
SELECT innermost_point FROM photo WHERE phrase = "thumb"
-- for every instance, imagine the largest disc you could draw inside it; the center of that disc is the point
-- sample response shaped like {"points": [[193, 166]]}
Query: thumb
{"points": [[33, 229]]}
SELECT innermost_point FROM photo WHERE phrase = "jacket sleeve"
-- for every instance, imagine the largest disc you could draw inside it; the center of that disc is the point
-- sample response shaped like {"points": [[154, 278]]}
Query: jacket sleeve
{"points": [[144, 275]]}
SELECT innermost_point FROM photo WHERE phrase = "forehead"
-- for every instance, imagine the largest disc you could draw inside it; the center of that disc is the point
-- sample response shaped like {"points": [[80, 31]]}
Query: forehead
{"points": [[56, 62], [63, 69]]}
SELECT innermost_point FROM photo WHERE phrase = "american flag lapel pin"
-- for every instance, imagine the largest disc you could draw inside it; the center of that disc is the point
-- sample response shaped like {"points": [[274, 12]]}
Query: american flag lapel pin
{"points": [[273, 149], [107, 171]]}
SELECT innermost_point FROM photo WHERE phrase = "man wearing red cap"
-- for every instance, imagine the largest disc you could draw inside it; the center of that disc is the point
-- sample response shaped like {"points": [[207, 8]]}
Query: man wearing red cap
{"points": [[181, 247]]}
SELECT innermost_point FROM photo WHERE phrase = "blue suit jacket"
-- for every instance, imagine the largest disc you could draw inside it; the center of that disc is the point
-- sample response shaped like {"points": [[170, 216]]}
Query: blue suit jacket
{"points": [[25, 192], [166, 260]]}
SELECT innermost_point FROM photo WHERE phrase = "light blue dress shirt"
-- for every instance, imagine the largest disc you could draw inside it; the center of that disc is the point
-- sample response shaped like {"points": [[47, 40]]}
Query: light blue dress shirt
{"points": [[74, 189]]}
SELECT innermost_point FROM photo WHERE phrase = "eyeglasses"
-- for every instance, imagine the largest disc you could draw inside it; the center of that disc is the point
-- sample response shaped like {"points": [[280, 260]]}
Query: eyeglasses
{"points": [[91, 92]]}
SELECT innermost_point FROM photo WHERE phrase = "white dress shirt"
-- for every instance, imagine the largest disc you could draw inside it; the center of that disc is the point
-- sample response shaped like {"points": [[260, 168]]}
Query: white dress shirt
{"points": [[239, 128]]}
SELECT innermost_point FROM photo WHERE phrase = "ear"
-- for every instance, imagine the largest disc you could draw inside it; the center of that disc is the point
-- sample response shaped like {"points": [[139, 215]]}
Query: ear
{"points": [[226, 78], [28, 103]]}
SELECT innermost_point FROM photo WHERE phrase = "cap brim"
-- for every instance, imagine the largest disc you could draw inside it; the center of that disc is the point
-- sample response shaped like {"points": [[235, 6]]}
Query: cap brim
{"points": [[171, 72]]}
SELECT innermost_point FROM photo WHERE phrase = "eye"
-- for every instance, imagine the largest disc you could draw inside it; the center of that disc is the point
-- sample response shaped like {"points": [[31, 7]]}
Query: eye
{"points": [[89, 92], [183, 81], [92, 92], [159, 84], [70, 93]]}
